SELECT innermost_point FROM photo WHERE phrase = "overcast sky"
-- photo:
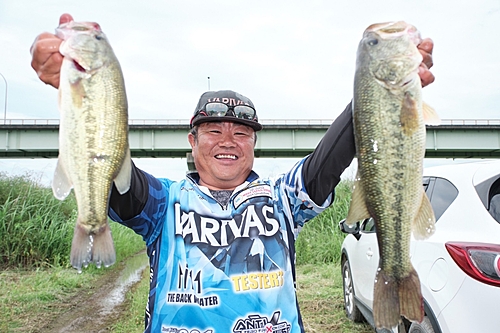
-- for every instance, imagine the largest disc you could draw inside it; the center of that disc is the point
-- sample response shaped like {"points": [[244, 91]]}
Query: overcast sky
{"points": [[294, 59]]}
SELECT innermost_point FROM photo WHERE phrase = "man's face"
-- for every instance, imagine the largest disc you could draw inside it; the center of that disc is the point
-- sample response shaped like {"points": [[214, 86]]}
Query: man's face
{"points": [[223, 154]]}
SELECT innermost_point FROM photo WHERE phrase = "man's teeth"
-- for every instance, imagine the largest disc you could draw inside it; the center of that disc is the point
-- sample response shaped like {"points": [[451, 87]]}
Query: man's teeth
{"points": [[226, 156]]}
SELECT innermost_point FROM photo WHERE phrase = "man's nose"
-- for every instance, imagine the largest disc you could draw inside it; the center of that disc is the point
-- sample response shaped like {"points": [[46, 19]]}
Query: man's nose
{"points": [[227, 139]]}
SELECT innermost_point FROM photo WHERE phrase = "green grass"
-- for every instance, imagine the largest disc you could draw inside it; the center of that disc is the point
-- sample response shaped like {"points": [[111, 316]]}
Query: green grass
{"points": [[320, 294], [321, 239], [35, 229]]}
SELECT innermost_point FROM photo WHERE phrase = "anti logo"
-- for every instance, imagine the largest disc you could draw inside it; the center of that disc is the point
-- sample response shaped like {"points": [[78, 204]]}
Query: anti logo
{"points": [[259, 324]]}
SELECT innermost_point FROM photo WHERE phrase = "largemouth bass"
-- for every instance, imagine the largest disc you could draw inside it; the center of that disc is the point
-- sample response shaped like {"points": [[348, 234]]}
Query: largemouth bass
{"points": [[93, 138], [389, 129]]}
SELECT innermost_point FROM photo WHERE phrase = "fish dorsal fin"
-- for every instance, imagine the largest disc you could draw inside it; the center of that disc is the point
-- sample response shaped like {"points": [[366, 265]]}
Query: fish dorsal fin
{"points": [[424, 224], [61, 184], [357, 209], [122, 181], [430, 115]]}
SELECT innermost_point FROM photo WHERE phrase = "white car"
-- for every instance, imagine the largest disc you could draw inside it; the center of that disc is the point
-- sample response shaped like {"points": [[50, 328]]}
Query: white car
{"points": [[458, 266]]}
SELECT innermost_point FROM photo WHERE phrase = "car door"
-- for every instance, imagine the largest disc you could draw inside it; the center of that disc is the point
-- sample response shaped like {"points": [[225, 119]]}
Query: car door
{"points": [[364, 262]]}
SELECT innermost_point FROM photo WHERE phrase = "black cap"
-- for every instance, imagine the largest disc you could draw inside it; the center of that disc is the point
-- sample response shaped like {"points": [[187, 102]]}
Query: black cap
{"points": [[229, 98]]}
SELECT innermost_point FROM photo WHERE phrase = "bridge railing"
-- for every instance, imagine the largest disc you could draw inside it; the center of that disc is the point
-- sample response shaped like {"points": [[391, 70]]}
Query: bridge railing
{"points": [[474, 122]]}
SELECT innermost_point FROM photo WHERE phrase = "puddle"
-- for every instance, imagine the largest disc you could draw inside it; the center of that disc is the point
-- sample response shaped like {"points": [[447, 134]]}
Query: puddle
{"points": [[130, 275], [95, 312]]}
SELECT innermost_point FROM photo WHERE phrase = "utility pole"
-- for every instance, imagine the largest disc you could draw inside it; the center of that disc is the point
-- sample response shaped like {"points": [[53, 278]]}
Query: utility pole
{"points": [[5, 100]]}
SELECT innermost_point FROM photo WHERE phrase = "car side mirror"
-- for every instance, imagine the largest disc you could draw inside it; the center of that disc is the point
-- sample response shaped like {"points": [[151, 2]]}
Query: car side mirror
{"points": [[353, 230]]}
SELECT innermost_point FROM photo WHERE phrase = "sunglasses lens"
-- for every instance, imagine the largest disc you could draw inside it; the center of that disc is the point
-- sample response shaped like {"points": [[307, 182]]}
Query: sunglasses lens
{"points": [[244, 112], [221, 110], [216, 109]]}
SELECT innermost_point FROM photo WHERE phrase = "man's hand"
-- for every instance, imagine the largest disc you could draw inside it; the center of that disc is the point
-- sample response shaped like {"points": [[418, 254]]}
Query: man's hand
{"points": [[45, 57], [425, 48]]}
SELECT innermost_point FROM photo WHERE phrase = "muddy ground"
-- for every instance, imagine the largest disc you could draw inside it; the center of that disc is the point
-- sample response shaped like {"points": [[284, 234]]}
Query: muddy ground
{"points": [[98, 310]]}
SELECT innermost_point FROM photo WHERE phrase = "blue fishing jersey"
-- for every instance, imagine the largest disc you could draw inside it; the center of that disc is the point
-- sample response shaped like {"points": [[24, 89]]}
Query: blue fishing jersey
{"points": [[223, 268]]}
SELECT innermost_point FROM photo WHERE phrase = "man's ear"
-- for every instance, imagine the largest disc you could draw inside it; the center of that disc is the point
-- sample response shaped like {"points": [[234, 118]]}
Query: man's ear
{"points": [[192, 140]]}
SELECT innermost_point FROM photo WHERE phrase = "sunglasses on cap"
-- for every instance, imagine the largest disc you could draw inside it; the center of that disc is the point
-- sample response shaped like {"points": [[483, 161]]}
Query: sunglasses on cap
{"points": [[216, 109]]}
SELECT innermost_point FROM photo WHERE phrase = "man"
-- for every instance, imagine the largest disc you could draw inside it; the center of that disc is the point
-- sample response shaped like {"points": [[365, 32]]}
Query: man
{"points": [[221, 241]]}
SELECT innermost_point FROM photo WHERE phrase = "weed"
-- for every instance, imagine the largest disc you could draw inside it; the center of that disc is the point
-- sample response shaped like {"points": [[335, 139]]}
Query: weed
{"points": [[320, 239]]}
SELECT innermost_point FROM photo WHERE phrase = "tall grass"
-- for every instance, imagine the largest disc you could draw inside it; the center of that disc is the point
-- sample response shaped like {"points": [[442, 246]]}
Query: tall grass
{"points": [[36, 229], [320, 239]]}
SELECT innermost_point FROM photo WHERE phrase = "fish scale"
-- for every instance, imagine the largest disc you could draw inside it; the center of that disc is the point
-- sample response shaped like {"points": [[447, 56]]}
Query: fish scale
{"points": [[389, 129]]}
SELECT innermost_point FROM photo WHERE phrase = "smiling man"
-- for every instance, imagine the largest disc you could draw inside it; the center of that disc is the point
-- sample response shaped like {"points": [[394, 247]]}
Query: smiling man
{"points": [[223, 151], [221, 242]]}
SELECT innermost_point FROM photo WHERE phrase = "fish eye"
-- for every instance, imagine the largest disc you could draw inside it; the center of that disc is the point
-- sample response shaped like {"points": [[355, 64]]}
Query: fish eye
{"points": [[372, 42]]}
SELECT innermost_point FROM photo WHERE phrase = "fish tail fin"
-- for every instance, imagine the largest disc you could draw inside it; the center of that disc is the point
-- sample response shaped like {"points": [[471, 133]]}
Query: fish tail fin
{"points": [[393, 298], [81, 248], [92, 247], [103, 252], [410, 297], [386, 312]]}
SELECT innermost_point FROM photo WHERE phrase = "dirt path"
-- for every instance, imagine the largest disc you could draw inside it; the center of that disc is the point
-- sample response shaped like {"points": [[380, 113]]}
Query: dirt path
{"points": [[97, 310]]}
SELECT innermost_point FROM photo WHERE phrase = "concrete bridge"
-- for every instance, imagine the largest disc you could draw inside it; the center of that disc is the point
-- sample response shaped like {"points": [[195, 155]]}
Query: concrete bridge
{"points": [[454, 138]]}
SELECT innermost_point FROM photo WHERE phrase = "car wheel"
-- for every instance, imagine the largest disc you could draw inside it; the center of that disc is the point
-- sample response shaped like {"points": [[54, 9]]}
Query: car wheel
{"points": [[424, 327], [398, 329], [350, 307]]}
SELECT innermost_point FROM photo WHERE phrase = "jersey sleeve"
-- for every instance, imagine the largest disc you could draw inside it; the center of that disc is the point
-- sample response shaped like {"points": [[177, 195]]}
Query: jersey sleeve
{"points": [[334, 153], [298, 206], [143, 207]]}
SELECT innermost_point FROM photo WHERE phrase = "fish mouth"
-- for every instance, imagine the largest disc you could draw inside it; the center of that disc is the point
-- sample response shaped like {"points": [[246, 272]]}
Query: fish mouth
{"points": [[226, 157], [396, 30], [79, 67]]}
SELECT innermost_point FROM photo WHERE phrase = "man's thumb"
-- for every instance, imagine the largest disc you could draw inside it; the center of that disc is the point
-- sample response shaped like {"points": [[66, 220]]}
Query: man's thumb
{"points": [[65, 18]]}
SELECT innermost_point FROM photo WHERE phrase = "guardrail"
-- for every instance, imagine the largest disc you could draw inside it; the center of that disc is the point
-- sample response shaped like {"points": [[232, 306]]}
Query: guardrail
{"points": [[326, 122]]}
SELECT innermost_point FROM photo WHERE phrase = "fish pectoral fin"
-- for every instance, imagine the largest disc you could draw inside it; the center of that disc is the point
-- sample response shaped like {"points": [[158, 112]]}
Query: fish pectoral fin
{"points": [[430, 115], [357, 209], [61, 184], [424, 224], [409, 116], [122, 181]]}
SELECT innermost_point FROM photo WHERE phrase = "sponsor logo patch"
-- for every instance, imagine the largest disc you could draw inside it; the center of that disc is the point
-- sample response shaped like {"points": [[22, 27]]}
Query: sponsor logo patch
{"points": [[260, 324], [252, 192]]}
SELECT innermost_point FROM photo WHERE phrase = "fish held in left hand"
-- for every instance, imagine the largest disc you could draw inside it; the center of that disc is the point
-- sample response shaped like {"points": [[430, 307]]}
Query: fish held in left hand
{"points": [[389, 125], [93, 138]]}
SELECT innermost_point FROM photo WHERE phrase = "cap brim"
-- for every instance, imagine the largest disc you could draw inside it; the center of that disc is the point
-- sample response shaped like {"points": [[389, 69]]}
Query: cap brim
{"points": [[253, 124]]}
